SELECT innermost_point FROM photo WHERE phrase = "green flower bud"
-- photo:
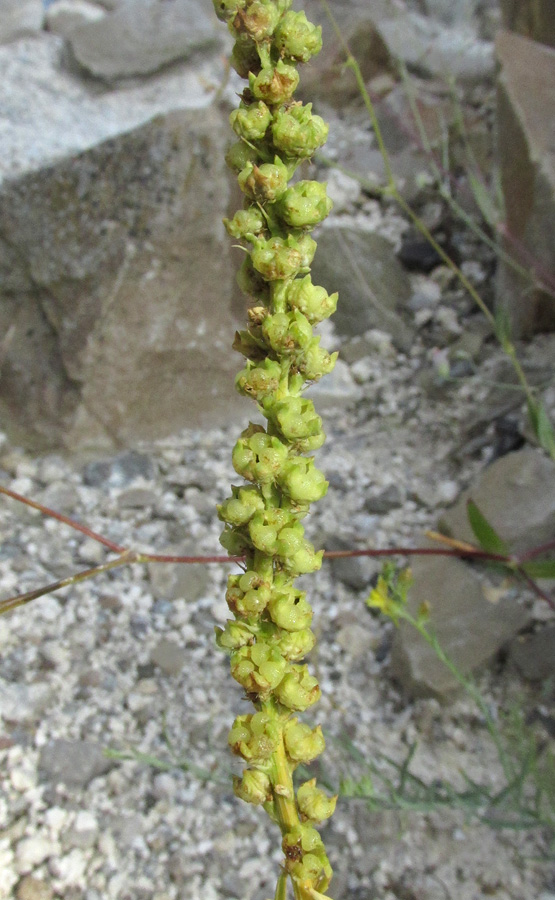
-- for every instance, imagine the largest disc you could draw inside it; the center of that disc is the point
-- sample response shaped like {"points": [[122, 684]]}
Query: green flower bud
{"points": [[258, 456], [297, 38], [287, 332], [233, 636], [259, 380], [305, 204], [251, 122], [247, 595], [259, 668], [275, 85], [244, 222], [264, 528], [290, 540], [241, 507], [295, 417], [307, 248], [290, 610], [227, 9], [304, 838], [301, 480], [265, 183], [294, 645], [258, 20], [239, 154], [254, 737], [315, 361], [234, 542], [277, 258], [244, 56], [304, 561], [253, 787], [312, 868], [297, 133], [313, 301], [303, 744], [298, 689], [313, 803]]}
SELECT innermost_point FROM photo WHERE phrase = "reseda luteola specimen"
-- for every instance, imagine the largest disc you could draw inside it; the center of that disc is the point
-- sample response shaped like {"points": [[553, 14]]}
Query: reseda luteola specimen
{"points": [[271, 630]]}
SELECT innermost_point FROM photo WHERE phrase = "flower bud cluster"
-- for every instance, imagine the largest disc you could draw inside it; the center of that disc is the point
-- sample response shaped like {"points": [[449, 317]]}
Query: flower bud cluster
{"points": [[270, 633]]}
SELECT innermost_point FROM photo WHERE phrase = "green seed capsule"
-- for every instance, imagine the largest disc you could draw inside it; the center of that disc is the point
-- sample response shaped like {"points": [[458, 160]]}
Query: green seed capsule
{"points": [[303, 744], [290, 610], [297, 38], [254, 787], [277, 258], [296, 132], [314, 804], [259, 457], [302, 481], [241, 506], [228, 9], [259, 668], [260, 380], [313, 301], [298, 689], [294, 646], [244, 56], [265, 183], [305, 204], [239, 154], [245, 222], [251, 122], [233, 636], [255, 737], [314, 362], [258, 20], [275, 85]]}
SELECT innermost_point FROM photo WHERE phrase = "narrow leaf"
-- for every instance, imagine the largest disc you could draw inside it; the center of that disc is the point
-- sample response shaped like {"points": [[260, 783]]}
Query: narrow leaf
{"points": [[545, 431], [540, 568], [485, 533]]}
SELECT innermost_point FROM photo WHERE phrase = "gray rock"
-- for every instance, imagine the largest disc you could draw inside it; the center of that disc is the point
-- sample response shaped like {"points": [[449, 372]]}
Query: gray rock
{"points": [[120, 470], [20, 18], [357, 572], [470, 627], [136, 498], [530, 18], [430, 49], [171, 582], [516, 494], [534, 654], [122, 246], [371, 282], [142, 36], [384, 501], [526, 150], [168, 656], [23, 704], [74, 763], [64, 16], [31, 888], [451, 12]]}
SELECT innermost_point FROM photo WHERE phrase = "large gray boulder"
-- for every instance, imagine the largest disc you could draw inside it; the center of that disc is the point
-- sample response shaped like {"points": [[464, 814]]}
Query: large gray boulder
{"points": [[526, 148], [115, 289], [142, 36], [20, 18]]}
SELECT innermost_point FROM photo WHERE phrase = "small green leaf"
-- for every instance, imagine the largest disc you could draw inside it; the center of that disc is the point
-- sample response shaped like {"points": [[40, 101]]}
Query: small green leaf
{"points": [[484, 533], [485, 199], [540, 568]]}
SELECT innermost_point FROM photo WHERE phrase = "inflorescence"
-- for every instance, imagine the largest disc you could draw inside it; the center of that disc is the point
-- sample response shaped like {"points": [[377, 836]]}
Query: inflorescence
{"points": [[271, 633]]}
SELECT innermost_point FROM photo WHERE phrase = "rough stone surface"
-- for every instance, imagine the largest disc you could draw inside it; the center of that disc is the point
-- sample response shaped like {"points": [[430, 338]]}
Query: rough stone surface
{"points": [[516, 494], [73, 763], [526, 113], [531, 18], [362, 266], [469, 626], [119, 248], [140, 37], [19, 18], [64, 16], [429, 48], [534, 654], [31, 888], [168, 656]]}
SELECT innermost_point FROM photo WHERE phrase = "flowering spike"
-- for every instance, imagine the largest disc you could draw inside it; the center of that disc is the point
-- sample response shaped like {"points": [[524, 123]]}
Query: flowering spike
{"points": [[270, 634]]}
